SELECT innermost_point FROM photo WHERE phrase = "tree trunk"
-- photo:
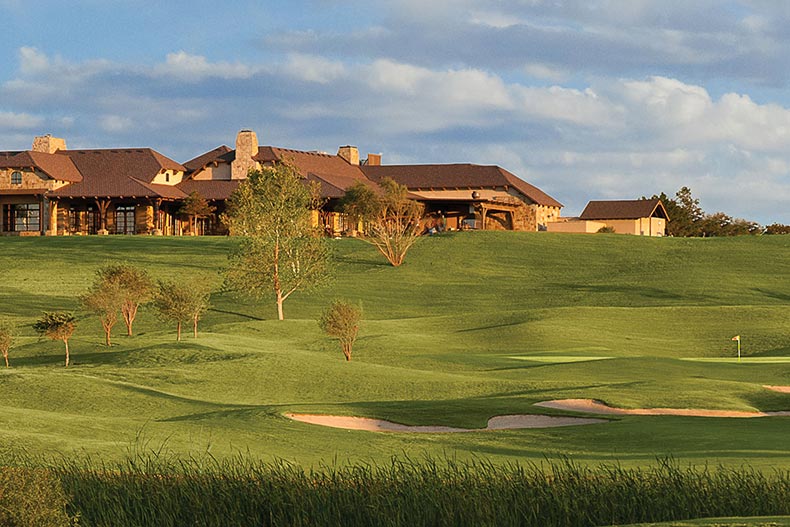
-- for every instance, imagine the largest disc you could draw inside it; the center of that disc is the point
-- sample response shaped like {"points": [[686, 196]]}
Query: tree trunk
{"points": [[194, 326], [280, 306], [107, 331], [347, 352], [178, 331], [129, 313], [5, 356], [66, 341]]}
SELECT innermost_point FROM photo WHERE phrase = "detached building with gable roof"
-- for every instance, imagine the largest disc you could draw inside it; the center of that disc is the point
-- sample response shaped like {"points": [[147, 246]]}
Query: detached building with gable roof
{"points": [[52, 190], [644, 217]]}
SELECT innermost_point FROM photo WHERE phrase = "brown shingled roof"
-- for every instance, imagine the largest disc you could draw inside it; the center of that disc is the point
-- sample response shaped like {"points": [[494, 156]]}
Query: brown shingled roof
{"points": [[624, 209], [124, 172], [53, 165], [463, 175], [310, 162], [210, 189], [200, 161]]}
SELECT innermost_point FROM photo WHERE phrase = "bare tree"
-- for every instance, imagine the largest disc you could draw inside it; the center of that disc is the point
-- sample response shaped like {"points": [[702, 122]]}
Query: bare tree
{"points": [[341, 320], [392, 220], [180, 303], [280, 251], [105, 298], [6, 340], [134, 286], [57, 325]]}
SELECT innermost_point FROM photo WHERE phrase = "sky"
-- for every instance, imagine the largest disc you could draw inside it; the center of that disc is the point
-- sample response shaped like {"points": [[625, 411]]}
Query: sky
{"points": [[592, 99]]}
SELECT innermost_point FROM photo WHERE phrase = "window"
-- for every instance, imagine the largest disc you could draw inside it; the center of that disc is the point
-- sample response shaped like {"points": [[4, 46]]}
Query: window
{"points": [[16, 178], [22, 217], [124, 219], [167, 177]]}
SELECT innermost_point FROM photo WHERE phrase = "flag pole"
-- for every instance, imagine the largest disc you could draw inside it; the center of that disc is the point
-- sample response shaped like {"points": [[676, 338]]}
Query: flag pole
{"points": [[739, 350]]}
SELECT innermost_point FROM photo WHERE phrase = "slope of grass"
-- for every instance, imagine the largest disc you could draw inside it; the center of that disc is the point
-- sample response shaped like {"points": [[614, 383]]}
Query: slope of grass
{"points": [[446, 340]]}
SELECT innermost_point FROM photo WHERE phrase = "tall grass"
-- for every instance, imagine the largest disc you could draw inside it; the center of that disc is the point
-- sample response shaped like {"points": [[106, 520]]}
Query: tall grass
{"points": [[162, 491]]}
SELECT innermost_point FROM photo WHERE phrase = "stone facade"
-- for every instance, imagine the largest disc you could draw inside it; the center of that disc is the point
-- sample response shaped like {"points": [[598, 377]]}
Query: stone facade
{"points": [[246, 150]]}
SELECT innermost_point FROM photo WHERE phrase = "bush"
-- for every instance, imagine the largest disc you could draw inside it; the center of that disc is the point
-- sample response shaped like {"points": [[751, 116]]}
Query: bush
{"points": [[606, 229]]}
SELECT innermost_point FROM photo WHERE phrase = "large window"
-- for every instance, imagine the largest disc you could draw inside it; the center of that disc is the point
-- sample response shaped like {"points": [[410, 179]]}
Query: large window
{"points": [[124, 219], [22, 217], [16, 178]]}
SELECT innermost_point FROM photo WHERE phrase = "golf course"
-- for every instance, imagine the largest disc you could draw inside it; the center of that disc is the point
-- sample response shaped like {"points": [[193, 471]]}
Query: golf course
{"points": [[603, 363], [472, 326]]}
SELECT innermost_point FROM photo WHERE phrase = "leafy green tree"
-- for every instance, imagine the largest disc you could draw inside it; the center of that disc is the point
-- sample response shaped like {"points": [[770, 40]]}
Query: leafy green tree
{"points": [[6, 340], [281, 251], [341, 320], [133, 285], [105, 298], [57, 325], [180, 303], [392, 220], [193, 207]]}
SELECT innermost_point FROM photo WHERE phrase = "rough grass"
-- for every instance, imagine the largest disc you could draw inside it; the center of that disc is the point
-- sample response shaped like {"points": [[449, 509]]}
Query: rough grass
{"points": [[446, 339]]}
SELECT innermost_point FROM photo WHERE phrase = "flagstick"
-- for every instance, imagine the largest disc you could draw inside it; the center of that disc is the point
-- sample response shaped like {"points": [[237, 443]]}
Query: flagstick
{"points": [[739, 350]]}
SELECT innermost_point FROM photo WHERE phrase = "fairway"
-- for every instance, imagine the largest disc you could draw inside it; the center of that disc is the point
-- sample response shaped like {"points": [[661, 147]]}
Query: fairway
{"points": [[473, 325]]}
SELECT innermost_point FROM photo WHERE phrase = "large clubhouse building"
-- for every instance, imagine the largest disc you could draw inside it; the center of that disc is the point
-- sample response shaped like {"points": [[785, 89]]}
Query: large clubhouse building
{"points": [[50, 190]]}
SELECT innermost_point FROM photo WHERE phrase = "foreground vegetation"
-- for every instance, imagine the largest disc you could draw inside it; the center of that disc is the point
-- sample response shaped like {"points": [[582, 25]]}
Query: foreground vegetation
{"points": [[157, 490], [472, 325]]}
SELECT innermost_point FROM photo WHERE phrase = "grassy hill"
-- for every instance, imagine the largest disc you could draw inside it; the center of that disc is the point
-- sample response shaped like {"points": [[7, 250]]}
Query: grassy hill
{"points": [[471, 326]]}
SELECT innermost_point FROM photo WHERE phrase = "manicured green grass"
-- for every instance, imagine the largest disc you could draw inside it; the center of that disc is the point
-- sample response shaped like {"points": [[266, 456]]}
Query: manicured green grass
{"points": [[471, 326], [763, 521]]}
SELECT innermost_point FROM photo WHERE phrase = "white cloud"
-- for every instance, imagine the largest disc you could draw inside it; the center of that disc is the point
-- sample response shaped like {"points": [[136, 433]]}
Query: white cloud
{"points": [[115, 123], [12, 120], [313, 68], [192, 68]]}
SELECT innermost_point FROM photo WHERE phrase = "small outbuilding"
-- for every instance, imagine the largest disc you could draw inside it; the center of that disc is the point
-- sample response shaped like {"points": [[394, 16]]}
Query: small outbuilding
{"points": [[643, 217]]}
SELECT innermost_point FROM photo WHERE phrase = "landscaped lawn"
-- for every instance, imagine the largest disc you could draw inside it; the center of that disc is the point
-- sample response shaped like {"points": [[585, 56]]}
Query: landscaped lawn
{"points": [[473, 325]]}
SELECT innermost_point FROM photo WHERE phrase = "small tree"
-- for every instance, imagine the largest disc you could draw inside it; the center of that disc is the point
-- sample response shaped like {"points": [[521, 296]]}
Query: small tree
{"points": [[281, 251], [180, 303], [105, 298], [134, 287], [392, 221], [341, 320], [6, 340], [58, 325], [195, 206]]}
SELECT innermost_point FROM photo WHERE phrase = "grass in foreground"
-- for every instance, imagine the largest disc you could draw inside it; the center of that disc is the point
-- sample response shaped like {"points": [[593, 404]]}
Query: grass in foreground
{"points": [[163, 491]]}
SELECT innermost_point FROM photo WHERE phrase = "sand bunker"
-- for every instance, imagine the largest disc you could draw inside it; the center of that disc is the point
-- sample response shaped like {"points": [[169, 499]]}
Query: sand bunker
{"points": [[780, 389], [596, 407], [500, 422]]}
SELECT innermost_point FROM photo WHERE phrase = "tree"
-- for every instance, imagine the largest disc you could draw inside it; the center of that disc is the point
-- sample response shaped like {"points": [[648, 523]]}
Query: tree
{"points": [[57, 325], [195, 206], [777, 228], [104, 298], [341, 320], [133, 285], [6, 340], [179, 303], [280, 251], [392, 220]]}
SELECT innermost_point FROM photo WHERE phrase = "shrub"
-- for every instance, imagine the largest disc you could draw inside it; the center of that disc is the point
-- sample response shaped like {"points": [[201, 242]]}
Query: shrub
{"points": [[606, 229], [341, 320]]}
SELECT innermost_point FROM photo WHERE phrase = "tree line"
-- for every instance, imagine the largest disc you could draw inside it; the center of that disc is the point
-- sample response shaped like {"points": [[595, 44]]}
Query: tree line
{"points": [[687, 219]]}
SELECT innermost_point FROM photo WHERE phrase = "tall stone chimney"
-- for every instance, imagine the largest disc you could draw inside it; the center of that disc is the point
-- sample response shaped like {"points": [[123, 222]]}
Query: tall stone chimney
{"points": [[48, 144], [246, 149], [349, 153]]}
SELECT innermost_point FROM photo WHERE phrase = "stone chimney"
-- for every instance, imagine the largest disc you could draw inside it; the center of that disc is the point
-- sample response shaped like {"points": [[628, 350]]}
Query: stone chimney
{"points": [[246, 149], [48, 144], [374, 160], [349, 153]]}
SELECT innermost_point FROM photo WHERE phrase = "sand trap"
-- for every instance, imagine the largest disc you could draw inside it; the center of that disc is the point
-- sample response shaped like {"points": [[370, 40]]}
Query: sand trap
{"points": [[500, 422], [780, 389], [596, 407]]}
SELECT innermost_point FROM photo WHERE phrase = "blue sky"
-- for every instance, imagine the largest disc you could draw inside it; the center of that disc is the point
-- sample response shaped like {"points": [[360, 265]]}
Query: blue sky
{"points": [[596, 99]]}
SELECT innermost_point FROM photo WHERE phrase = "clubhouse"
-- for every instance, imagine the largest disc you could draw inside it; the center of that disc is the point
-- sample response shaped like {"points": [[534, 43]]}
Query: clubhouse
{"points": [[51, 190]]}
